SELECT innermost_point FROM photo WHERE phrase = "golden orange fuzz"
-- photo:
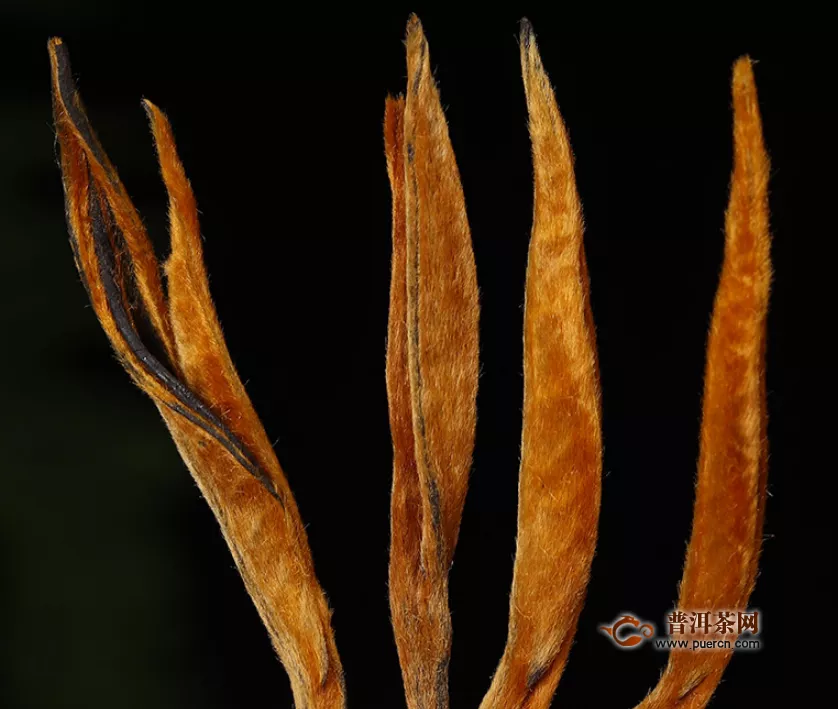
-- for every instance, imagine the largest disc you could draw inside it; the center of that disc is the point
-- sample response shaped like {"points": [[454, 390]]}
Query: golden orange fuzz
{"points": [[432, 373], [432, 367], [561, 448], [188, 374], [722, 556]]}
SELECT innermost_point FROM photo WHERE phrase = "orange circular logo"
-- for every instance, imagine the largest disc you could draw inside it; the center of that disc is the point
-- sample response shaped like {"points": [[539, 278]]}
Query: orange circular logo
{"points": [[628, 631]]}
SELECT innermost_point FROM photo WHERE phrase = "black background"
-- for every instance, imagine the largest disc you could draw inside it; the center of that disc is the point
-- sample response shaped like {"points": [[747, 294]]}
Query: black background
{"points": [[116, 589]]}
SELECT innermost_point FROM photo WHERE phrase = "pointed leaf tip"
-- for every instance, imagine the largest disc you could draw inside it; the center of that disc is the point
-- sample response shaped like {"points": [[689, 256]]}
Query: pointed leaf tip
{"points": [[527, 34]]}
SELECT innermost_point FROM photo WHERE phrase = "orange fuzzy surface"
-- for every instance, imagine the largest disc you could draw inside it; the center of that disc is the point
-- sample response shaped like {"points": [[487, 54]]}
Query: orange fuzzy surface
{"points": [[561, 450], [432, 368], [181, 361], [721, 566], [195, 385]]}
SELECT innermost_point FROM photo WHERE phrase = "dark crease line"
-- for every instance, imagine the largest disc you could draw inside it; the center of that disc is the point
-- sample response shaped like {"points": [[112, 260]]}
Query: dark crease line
{"points": [[254, 470], [191, 402], [442, 682], [417, 78], [413, 313], [134, 305], [70, 99], [535, 676], [436, 513], [689, 692]]}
